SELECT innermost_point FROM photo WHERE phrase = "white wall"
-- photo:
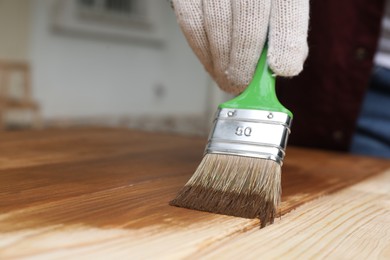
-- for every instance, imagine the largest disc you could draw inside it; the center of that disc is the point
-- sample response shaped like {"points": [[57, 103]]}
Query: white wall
{"points": [[76, 76], [14, 29]]}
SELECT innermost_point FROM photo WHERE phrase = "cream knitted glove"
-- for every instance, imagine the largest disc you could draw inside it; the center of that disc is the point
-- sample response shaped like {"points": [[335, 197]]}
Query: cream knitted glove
{"points": [[228, 36]]}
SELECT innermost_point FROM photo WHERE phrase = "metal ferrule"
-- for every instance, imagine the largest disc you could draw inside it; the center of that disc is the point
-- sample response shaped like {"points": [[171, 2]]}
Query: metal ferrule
{"points": [[251, 133]]}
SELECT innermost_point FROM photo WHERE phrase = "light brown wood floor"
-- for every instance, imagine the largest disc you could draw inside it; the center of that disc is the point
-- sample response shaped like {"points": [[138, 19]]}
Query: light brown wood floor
{"points": [[104, 193]]}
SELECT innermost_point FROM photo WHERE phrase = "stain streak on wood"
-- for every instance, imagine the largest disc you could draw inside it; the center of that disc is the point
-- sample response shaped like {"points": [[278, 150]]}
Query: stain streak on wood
{"points": [[121, 179]]}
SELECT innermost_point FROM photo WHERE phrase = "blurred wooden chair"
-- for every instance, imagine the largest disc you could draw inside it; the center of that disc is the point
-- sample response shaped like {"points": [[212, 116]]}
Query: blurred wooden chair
{"points": [[24, 101]]}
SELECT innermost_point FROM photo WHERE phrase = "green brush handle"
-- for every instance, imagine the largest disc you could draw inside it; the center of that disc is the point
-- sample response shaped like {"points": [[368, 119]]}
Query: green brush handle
{"points": [[260, 94]]}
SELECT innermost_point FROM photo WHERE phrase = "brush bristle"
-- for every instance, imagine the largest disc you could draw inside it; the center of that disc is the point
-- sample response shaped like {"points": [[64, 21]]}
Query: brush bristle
{"points": [[234, 185]]}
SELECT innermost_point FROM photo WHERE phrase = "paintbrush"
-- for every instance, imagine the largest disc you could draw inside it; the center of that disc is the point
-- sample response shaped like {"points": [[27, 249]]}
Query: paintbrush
{"points": [[240, 174]]}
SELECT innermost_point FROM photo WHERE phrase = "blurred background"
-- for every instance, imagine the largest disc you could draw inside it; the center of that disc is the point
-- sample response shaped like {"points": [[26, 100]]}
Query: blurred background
{"points": [[80, 63]]}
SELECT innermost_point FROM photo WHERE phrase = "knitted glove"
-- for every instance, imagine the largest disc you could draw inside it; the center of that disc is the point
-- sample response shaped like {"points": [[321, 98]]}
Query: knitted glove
{"points": [[228, 36]]}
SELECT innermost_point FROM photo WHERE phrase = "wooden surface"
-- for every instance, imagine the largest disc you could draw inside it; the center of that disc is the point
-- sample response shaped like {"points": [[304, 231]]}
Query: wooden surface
{"points": [[104, 193]]}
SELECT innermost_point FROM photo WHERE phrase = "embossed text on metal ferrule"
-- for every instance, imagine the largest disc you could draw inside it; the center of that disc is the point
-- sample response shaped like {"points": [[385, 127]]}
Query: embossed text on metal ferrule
{"points": [[251, 133]]}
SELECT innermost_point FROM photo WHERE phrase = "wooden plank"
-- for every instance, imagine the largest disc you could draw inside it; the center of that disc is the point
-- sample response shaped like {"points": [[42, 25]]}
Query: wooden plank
{"points": [[99, 191], [351, 224], [79, 162]]}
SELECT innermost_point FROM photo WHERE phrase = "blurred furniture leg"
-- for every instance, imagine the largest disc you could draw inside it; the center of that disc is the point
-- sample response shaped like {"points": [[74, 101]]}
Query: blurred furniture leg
{"points": [[25, 101]]}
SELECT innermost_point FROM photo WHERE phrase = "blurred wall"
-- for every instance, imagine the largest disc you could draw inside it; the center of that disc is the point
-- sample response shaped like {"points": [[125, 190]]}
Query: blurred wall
{"points": [[75, 75], [15, 29]]}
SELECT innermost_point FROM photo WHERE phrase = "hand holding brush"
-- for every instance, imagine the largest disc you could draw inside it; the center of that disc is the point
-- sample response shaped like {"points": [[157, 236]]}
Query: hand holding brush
{"points": [[240, 174], [228, 37]]}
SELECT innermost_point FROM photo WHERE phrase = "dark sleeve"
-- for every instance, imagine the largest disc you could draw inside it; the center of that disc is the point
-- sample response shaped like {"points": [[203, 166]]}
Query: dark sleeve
{"points": [[326, 97]]}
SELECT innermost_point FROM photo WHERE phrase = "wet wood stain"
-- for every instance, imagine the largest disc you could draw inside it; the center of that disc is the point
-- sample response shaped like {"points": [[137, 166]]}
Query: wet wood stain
{"points": [[124, 179]]}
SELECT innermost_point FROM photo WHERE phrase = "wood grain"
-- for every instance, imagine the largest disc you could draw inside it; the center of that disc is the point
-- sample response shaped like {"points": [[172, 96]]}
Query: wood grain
{"points": [[352, 224], [99, 192]]}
